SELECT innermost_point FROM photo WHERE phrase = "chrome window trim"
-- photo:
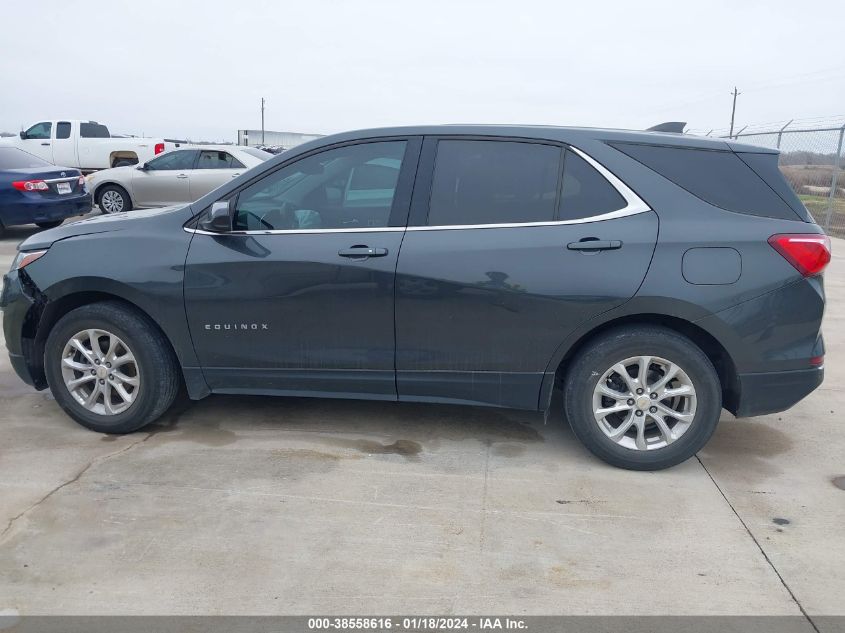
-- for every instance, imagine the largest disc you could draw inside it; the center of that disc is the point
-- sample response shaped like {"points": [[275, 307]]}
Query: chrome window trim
{"points": [[634, 205], [371, 229]]}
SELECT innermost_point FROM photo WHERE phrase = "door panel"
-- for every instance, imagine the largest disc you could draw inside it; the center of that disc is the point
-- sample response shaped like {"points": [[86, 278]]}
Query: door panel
{"points": [[64, 145], [479, 312], [493, 274], [286, 313], [299, 298], [39, 141], [204, 180], [165, 180], [160, 188]]}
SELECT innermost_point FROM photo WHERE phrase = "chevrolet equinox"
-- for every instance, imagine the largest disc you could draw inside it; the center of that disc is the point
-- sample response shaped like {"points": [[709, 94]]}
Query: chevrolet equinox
{"points": [[656, 278]]}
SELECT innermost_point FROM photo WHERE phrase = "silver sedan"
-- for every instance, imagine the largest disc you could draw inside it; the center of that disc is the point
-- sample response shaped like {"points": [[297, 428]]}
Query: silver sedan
{"points": [[176, 177]]}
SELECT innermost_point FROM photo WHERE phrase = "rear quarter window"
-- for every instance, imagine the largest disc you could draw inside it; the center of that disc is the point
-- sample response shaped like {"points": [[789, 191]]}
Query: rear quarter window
{"points": [[585, 192], [718, 177], [93, 130]]}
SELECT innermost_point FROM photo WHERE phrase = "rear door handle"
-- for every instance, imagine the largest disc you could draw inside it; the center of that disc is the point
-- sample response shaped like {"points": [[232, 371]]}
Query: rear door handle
{"points": [[45, 143], [594, 245], [362, 252], [235, 175], [182, 176]]}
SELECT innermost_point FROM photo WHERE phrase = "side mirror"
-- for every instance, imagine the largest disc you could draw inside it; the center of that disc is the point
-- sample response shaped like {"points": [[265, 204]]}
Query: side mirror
{"points": [[218, 219], [142, 166], [23, 135]]}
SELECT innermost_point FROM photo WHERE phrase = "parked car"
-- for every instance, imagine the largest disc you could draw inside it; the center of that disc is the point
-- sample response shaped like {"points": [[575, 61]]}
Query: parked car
{"points": [[175, 177], [33, 191], [86, 145], [272, 149], [656, 278]]}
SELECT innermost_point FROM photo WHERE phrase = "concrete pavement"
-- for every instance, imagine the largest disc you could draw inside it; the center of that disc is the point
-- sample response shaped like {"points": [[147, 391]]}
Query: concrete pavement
{"points": [[242, 505]]}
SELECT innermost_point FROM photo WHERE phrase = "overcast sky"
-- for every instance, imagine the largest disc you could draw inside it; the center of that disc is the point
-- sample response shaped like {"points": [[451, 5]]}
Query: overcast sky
{"points": [[198, 69]]}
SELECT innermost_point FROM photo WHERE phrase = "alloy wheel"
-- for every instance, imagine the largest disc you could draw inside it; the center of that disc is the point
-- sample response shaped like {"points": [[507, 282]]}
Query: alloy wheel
{"points": [[100, 372], [111, 201], [644, 403]]}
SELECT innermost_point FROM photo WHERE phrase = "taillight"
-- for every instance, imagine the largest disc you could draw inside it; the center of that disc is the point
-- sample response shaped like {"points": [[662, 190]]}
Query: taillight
{"points": [[81, 180], [809, 253], [30, 185], [159, 148]]}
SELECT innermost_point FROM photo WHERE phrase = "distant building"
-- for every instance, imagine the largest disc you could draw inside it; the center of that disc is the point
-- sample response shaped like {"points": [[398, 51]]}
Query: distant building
{"points": [[284, 140]]}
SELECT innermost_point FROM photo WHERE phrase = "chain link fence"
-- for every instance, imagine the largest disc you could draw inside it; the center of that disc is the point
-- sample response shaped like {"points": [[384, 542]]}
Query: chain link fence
{"points": [[812, 161]]}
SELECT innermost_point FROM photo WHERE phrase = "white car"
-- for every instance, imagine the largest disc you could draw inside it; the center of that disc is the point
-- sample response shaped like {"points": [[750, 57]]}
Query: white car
{"points": [[86, 145], [177, 177]]}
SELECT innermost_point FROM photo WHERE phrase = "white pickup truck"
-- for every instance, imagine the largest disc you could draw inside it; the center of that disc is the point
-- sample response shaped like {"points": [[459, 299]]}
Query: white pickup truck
{"points": [[86, 145]]}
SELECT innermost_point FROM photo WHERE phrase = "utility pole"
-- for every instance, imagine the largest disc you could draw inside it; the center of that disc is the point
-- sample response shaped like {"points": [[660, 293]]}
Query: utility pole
{"points": [[262, 119], [735, 93]]}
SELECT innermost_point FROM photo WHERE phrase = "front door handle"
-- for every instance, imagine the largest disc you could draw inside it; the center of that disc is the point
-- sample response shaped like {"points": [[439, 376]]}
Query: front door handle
{"points": [[45, 144], [182, 176], [362, 252], [235, 175], [594, 245]]}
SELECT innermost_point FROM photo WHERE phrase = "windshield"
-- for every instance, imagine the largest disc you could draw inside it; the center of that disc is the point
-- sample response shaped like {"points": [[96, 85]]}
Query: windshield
{"points": [[14, 158]]}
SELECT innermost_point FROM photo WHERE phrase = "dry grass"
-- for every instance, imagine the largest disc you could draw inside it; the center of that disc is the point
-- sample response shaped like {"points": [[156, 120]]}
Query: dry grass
{"points": [[818, 205]]}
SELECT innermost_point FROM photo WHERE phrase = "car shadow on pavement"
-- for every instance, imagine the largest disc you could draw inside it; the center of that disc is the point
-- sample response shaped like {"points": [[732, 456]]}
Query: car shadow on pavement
{"points": [[398, 427]]}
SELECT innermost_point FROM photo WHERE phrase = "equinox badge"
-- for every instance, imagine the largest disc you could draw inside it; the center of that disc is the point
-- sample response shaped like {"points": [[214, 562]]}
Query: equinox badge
{"points": [[237, 326]]}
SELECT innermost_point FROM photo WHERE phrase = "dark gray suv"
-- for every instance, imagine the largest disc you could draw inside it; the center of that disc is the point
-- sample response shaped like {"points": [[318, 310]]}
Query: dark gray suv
{"points": [[656, 278]]}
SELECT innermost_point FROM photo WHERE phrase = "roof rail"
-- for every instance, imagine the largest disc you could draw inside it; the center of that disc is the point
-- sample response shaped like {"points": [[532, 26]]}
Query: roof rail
{"points": [[675, 127]]}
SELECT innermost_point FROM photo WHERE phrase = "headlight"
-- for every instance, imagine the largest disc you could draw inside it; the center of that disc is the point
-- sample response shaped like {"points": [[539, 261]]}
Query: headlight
{"points": [[25, 258]]}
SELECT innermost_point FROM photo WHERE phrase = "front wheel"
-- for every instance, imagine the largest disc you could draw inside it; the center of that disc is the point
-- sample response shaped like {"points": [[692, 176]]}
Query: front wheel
{"points": [[113, 199], [110, 368], [643, 397]]}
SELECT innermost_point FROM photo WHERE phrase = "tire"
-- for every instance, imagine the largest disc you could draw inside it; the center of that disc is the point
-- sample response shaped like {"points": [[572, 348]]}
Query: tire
{"points": [[651, 450], [125, 162], [155, 367], [49, 225], [117, 200]]}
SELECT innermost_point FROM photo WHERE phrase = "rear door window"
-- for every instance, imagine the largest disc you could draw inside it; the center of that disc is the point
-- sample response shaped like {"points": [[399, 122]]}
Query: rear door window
{"points": [[62, 129], [718, 177], [215, 159], [93, 130], [493, 182]]}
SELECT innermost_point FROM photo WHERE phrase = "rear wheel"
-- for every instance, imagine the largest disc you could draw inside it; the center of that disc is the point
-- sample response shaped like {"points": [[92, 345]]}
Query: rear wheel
{"points": [[48, 225], [113, 199], [110, 368], [643, 397]]}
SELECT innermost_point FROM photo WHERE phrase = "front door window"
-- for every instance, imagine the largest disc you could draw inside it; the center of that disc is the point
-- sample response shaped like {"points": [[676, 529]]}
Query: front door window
{"points": [[345, 187]]}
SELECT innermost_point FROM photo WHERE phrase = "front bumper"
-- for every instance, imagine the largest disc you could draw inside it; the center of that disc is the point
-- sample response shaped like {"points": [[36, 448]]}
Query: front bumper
{"points": [[21, 312], [772, 392], [21, 368]]}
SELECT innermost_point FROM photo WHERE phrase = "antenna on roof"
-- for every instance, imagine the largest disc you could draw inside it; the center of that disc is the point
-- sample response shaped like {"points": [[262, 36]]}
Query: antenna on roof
{"points": [[675, 127]]}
